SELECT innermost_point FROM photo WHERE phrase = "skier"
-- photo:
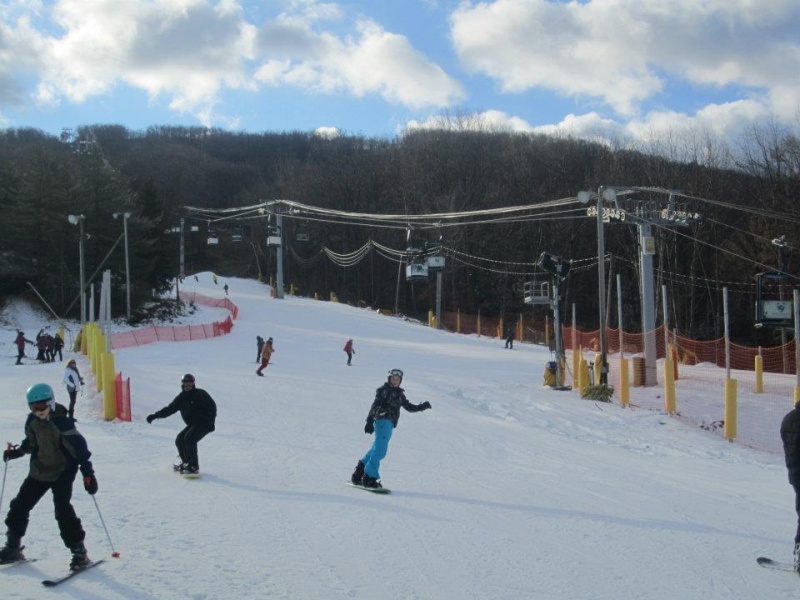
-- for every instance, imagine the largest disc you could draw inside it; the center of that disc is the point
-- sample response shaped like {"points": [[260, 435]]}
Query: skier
{"points": [[382, 419], [20, 341], [199, 412], [225, 287], [266, 354], [790, 436], [259, 348], [348, 347], [57, 452], [73, 380], [59, 344]]}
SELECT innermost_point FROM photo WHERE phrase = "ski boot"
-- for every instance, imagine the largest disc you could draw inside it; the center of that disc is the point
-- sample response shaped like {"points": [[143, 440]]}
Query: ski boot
{"points": [[80, 558], [797, 558], [355, 478], [12, 551]]}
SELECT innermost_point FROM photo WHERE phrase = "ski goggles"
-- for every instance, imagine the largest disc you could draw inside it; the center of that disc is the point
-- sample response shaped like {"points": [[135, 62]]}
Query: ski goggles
{"points": [[40, 406], [396, 373]]}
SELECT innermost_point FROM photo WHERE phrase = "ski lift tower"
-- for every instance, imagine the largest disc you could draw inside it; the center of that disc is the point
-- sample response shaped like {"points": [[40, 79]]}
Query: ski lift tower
{"points": [[559, 268]]}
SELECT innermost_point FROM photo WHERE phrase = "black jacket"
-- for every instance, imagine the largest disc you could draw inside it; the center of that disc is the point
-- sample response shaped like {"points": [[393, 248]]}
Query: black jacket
{"points": [[196, 408], [387, 403], [790, 435]]}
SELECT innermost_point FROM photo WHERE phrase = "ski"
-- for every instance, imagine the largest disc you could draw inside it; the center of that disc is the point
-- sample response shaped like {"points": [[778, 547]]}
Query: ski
{"points": [[381, 490], [21, 561], [768, 563], [71, 574]]}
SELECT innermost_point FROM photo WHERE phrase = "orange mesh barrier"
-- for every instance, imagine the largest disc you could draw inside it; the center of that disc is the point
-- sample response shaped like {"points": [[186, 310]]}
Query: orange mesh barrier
{"points": [[123, 390], [180, 333]]}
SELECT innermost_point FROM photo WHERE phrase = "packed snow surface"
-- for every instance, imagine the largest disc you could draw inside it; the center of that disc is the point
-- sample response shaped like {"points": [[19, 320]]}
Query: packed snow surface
{"points": [[505, 489]]}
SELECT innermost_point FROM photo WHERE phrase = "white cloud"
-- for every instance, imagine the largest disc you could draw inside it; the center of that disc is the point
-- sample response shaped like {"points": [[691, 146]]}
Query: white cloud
{"points": [[623, 52], [372, 61]]}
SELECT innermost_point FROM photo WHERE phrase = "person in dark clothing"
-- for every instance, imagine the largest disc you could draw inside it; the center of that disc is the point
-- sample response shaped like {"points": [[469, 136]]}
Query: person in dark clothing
{"points": [[57, 452], [41, 346], [20, 341], [259, 347], [58, 345], [382, 420], [510, 336], [225, 287], [266, 354], [790, 436], [199, 412]]}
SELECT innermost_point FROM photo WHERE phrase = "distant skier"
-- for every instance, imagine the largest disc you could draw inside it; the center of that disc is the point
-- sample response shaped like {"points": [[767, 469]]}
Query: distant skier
{"points": [[20, 341], [199, 412], [382, 419], [259, 347], [57, 452], [58, 342], [266, 354], [510, 336], [225, 287], [790, 436], [73, 380], [348, 348]]}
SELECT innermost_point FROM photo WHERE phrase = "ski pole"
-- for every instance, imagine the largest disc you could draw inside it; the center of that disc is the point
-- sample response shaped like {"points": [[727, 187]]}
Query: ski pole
{"points": [[3, 487], [114, 553]]}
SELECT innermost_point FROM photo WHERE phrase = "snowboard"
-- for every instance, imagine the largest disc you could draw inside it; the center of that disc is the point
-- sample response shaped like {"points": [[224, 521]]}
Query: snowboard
{"points": [[177, 469], [777, 565], [382, 490]]}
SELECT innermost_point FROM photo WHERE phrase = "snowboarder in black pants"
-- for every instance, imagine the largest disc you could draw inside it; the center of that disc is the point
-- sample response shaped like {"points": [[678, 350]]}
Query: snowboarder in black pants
{"points": [[790, 436], [57, 452], [199, 412], [381, 420]]}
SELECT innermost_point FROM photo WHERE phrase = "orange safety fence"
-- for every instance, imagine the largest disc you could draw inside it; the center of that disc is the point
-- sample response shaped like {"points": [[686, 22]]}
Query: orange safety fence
{"points": [[179, 333], [123, 391]]}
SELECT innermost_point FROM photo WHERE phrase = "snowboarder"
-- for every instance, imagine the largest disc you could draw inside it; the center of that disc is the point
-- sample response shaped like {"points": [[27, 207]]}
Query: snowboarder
{"points": [[348, 347], [73, 380], [57, 452], [266, 353], [381, 420], [790, 436], [510, 336], [199, 412], [20, 341]]}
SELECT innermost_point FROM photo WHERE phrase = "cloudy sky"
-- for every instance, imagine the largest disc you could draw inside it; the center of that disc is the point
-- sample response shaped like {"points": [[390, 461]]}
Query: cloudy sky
{"points": [[624, 68]]}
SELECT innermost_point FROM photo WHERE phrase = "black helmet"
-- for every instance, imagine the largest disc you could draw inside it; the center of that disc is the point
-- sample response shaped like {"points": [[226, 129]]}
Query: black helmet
{"points": [[188, 378]]}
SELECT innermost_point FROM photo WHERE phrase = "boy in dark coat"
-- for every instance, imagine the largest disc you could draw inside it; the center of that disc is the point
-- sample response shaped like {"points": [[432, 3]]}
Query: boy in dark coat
{"points": [[381, 420], [20, 341], [57, 452], [199, 412], [790, 436]]}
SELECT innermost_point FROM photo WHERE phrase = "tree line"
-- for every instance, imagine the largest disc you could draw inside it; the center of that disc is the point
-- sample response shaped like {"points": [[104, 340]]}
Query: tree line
{"points": [[746, 197]]}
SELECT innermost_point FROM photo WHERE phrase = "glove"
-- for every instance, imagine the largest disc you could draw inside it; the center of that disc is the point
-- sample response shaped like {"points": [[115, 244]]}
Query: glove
{"points": [[150, 418], [369, 427], [425, 405], [11, 453], [90, 483]]}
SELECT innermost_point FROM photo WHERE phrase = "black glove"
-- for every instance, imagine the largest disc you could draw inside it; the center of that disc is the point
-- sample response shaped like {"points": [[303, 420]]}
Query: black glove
{"points": [[11, 453], [90, 483], [425, 405], [369, 427], [150, 418]]}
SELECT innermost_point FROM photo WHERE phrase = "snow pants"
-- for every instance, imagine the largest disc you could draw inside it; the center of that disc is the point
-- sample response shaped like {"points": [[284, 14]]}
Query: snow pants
{"points": [[30, 492], [186, 442], [380, 445], [796, 487], [73, 395]]}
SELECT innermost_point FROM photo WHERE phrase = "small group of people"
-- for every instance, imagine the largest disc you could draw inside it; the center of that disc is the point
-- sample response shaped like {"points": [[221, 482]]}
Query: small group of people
{"points": [[48, 346], [265, 350]]}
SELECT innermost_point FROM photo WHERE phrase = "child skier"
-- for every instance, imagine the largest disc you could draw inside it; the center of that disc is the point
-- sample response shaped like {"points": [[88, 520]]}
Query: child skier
{"points": [[382, 419], [57, 452]]}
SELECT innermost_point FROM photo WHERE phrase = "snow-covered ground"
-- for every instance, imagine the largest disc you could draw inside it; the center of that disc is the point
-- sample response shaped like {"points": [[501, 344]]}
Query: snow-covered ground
{"points": [[505, 489]]}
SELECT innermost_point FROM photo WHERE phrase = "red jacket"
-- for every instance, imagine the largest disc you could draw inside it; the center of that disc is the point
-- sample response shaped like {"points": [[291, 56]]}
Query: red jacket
{"points": [[348, 347]]}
